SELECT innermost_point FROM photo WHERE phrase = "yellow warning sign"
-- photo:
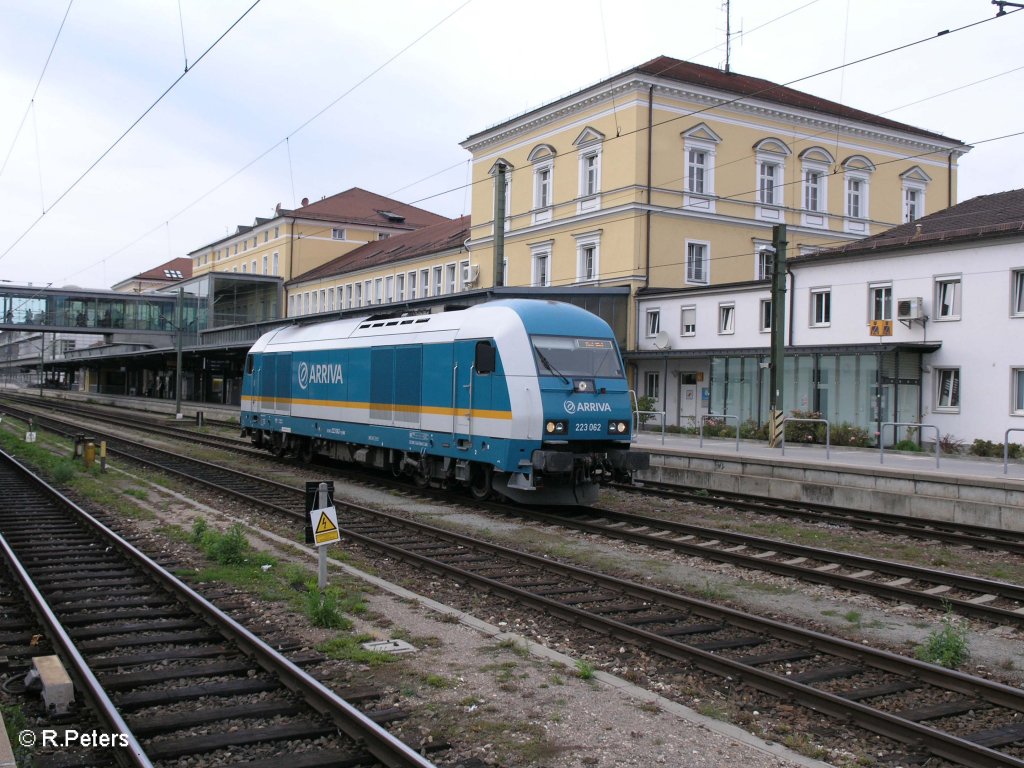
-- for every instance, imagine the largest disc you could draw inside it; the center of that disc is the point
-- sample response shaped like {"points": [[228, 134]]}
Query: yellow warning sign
{"points": [[881, 327], [325, 526]]}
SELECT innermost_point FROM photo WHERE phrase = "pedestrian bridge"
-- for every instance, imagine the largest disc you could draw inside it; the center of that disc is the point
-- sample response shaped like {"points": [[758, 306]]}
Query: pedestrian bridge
{"points": [[67, 310]]}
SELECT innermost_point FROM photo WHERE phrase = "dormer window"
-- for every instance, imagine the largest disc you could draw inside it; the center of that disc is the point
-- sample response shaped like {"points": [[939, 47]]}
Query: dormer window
{"points": [[338, 233]]}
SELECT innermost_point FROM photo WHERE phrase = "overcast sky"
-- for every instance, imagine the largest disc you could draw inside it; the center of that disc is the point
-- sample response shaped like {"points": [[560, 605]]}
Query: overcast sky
{"points": [[212, 154]]}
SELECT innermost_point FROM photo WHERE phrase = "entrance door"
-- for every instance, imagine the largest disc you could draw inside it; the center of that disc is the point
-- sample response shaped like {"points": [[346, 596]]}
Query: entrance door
{"points": [[687, 404]]}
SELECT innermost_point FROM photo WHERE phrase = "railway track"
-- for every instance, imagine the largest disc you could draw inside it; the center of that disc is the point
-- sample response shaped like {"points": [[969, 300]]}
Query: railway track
{"points": [[161, 666], [941, 713], [987, 600], [956, 534]]}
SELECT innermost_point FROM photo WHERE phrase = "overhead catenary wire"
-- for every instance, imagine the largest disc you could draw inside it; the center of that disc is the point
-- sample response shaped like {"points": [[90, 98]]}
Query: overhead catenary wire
{"points": [[130, 128], [35, 90]]}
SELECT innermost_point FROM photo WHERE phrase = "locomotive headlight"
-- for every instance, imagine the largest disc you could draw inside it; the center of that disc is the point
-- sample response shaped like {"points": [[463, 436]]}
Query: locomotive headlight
{"points": [[556, 427], [617, 427]]}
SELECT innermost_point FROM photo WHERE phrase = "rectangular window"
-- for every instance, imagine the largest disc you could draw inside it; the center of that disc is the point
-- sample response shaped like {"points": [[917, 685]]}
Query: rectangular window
{"points": [[330, 300], [305, 303], [389, 289], [438, 276], [383, 235], [854, 189], [337, 233], [652, 385], [424, 282], [323, 299], [726, 318], [291, 306], [254, 266], [378, 290], [821, 308], [277, 231], [412, 285], [400, 287], [266, 236], [348, 296], [276, 259], [766, 314], [314, 306], [812, 190], [543, 199], [449, 278], [688, 321], [881, 302], [590, 175], [653, 322], [541, 268], [765, 263], [696, 263], [1017, 306], [368, 292], [1018, 391], [264, 263], [463, 275], [359, 294], [911, 203], [947, 393], [766, 183], [947, 298], [696, 170], [588, 262]]}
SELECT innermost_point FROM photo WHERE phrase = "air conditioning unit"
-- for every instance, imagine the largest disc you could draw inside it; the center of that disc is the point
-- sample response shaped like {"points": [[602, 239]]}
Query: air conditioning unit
{"points": [[470, 274], [910, 309]]}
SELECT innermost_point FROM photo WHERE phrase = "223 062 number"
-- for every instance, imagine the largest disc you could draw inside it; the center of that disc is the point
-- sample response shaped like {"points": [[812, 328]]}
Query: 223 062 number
{"points": [[586, 426]]}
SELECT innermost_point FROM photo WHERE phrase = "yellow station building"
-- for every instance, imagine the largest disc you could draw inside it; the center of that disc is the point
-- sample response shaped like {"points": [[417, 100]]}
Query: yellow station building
{"points": [[673, 174]]}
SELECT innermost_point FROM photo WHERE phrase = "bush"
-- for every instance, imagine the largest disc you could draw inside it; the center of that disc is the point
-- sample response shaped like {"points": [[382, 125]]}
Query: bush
{"points": [[750, 431], [802, 431], [995, 450], [322, 608], [947, 646], [645, 403], [950, 444], [848, 434], [907, 445], [230, 548]]}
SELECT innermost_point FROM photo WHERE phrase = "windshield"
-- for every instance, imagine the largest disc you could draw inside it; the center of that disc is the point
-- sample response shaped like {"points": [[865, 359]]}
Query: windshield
{"points": [[567, 356]]}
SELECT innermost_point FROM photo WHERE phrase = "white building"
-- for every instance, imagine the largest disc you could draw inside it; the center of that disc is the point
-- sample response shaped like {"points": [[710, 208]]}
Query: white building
{"points": [[952, 286]]}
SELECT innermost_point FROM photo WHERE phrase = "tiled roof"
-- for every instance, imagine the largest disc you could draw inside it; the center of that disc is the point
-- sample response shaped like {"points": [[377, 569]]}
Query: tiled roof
{"points": [[987, 216], [357, 206], [749, 88], [172, 271], [765, 90], [437, 238]]}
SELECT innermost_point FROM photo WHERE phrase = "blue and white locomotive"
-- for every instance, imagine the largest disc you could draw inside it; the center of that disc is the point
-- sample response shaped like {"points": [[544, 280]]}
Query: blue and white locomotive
{"points": [[525, 398]]}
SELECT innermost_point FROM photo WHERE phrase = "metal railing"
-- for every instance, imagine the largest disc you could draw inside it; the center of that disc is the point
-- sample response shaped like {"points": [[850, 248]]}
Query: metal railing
{"points": [[705, 416], [894, 424], [828, 434], [1006, 447], [637, 413]]}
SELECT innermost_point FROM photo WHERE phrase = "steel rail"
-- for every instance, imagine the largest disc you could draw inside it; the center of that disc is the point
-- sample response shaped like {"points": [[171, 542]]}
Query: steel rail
{"points": [[938, 742], [815, 575], [959, 534], [381, 744]]}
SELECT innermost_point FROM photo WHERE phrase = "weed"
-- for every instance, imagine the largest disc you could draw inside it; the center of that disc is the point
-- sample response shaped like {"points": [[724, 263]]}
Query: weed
{"points": [[322, 609], [229, 548], [946, 646], [557, 680], [712, 710], [854, 617], [138, 493], [584, 669], [199, 529], [437, 681], [350, 648]]}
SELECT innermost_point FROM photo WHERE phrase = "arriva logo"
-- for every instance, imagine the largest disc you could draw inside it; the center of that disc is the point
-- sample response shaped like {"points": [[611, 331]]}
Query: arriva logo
{"points": [[319, 374], [572, 407]]}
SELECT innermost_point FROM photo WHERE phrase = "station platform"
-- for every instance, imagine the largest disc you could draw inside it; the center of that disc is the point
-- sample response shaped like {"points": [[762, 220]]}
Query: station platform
{"points": [[960, 489]]}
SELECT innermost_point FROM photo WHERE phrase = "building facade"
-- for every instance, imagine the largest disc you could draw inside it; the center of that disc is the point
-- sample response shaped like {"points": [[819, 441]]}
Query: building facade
{"points": [[919, 324], [292, 242], [672, 175]]}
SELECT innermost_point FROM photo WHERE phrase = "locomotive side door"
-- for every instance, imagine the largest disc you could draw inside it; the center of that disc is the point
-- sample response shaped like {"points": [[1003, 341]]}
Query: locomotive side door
{"points": [[474, 362], [281, 383]]}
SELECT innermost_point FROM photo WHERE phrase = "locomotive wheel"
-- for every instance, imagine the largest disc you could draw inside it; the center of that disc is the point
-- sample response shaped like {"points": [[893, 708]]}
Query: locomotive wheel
{"points": [[277, 445], [420, 478], [306, 451], [480, 482]]}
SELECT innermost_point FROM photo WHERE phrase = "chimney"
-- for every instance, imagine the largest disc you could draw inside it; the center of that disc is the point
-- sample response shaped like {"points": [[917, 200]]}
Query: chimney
{"points": [[917, 230]]}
